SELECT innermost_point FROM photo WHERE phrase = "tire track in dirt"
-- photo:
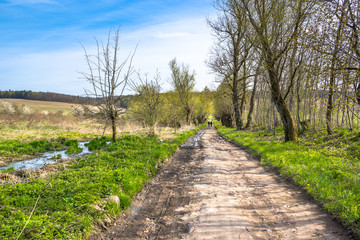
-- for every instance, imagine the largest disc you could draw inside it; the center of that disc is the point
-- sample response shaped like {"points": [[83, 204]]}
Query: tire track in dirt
{"points": [[217, 191]]}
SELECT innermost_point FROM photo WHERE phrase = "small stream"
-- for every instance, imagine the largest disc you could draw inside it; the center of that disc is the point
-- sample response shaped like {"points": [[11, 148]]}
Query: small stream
{"points": [[45, 158]]}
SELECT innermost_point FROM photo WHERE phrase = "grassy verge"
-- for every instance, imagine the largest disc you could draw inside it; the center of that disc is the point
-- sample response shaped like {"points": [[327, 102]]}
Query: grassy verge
{"points": [[329, 172], [67, 205]]}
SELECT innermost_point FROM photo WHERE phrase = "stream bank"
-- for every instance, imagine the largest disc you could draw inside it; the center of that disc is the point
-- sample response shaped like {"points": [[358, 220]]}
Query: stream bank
{"points": [[48, 157]]}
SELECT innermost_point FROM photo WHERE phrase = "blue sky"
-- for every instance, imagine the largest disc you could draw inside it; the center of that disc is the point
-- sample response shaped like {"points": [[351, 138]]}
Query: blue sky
{"points": [[40, 39]]}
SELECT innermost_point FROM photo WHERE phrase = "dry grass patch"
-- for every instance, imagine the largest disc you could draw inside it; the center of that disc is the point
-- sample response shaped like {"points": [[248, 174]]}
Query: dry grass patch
{"points": [[43, 106]]}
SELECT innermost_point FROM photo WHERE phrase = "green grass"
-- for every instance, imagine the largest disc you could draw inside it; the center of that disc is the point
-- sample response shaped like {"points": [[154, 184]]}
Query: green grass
{"points": [[97, 143], [66, 205], [327, 167], [73, 150], [14, 148]]}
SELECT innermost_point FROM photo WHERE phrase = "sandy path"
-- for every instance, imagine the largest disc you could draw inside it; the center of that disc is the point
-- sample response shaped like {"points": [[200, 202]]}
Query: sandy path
{"points": [[216, 191]]}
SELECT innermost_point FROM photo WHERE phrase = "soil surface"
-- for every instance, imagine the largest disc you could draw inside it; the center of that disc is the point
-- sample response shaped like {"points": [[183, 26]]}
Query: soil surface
{"points": [[217, 191]]}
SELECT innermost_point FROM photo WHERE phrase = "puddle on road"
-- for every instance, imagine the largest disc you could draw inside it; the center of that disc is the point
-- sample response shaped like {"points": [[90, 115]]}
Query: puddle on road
{"points": [[193, 141], [45, 158]]}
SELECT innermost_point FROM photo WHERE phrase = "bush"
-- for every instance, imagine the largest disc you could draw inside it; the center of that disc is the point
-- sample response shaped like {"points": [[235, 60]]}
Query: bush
{"points": [[97, 143], [73, 150], [69, 143]]}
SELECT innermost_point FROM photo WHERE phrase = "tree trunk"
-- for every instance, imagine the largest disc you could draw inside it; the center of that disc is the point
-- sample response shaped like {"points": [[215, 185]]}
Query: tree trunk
{"points": [[252, 100], [113, 126], [188, 116], [284, 111], [286, 118], [236, 104], [298, 101], [274, 122], [258, 117], [292, 77], [330, 104], [243, 98], [348, 115]]}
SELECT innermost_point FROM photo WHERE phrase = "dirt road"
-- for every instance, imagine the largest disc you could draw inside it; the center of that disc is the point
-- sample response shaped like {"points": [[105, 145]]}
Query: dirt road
{"points": [[216, 191]]}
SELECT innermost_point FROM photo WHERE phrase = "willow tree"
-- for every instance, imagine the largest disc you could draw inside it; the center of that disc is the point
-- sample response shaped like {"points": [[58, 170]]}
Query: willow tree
{"points": [[147, 102], [223, 105], [183, 83], [108, 74]]}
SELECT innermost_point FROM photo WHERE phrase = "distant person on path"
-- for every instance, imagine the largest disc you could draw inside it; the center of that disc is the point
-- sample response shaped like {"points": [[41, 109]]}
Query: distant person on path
{"points": [[210, 123]]}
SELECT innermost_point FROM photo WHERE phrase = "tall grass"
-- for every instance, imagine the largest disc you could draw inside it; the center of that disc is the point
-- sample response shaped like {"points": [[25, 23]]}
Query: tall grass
{"points": [[331, 178]]}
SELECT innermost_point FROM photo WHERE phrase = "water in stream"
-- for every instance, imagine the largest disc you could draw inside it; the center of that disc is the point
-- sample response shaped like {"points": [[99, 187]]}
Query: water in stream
{"points": [[45, 158]]}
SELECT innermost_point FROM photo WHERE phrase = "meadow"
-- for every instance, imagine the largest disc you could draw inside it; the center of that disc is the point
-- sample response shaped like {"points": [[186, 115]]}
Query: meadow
{"points": [[43, 106], [49, 123], [75, 195]]}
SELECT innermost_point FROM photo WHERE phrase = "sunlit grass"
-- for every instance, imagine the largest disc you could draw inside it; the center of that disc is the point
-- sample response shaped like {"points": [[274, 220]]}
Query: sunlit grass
{"points": [[73, 199], [327, 167], [71, 195]]}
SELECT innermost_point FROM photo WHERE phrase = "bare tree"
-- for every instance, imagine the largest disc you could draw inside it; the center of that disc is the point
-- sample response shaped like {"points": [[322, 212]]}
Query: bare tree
{"points": [[308, 53], [232, 50], [108, 75], [334, 54], [277, 25], [146, 104]]}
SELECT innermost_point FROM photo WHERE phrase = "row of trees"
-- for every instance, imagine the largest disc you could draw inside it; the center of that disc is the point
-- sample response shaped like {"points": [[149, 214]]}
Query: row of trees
{"points": [[180, 106], [110, 76], [297, 61], [54, 97]]}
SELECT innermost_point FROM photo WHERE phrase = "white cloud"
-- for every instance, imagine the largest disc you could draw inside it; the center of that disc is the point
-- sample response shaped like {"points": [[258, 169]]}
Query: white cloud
{"points": [[188, 40]]}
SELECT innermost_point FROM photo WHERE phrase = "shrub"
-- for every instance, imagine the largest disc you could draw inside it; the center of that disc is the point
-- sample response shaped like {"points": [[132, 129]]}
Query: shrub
{"points": [[71, 143], [97, 143], [73, 150]]}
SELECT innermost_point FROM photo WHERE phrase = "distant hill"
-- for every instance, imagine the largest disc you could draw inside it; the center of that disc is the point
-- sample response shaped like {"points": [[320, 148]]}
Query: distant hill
{"points": [[56, 97]]}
